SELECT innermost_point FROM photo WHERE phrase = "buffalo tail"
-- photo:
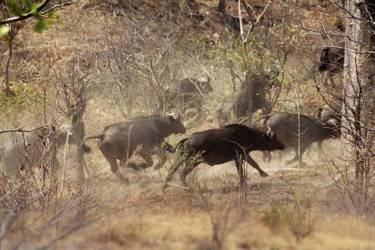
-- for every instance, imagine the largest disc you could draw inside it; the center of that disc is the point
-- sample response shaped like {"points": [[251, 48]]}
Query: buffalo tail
{"points": [[86, 148]]}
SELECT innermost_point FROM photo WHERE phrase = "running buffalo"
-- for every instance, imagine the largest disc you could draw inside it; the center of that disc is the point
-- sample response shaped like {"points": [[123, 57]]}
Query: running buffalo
{"points": [[288, 126], [247, 100], [332, 61], [188, 94], [216, 146], [141, 136], [330, 111]]}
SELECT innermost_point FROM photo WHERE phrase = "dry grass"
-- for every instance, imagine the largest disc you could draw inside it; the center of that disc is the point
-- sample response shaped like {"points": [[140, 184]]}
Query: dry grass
{"points": [[141, 216]]}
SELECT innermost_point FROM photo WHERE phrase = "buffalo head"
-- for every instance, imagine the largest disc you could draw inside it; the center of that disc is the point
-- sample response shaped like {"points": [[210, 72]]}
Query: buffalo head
{"points": [[269, 141], [175, 124], [204, 84]]}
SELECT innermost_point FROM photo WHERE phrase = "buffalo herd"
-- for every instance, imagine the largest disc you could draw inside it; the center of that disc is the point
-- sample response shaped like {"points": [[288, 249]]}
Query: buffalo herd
{"points": [[145, 136]]}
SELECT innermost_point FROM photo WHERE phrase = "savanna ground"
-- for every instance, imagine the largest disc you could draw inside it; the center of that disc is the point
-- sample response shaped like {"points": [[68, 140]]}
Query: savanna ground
{"points": [[296, 207]]}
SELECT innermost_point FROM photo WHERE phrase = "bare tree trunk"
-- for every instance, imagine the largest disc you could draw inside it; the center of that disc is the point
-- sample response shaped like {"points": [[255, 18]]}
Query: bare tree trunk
{"points": [[356, 75], [78, 128], [7, 89]]}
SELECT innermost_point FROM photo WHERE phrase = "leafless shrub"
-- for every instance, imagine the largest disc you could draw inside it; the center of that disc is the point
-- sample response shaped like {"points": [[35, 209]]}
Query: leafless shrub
{"points": [[146, 59], [35, 197], [296, 218], [55, 216], [225, 214], [73, 85]]}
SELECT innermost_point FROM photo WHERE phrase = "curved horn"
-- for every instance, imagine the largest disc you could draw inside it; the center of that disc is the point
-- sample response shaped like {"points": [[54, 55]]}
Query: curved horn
{"points": [[175, 115], [269, 131], [204, 78], [333, 122]]}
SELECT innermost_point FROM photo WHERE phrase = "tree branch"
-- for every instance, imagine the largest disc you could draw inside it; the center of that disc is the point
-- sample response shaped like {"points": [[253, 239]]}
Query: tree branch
{"points": [[32, 13], [13, 130]]}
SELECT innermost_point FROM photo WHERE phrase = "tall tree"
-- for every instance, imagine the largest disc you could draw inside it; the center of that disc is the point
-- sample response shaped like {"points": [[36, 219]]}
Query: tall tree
{"points": [[17, 11], [357, 116]]}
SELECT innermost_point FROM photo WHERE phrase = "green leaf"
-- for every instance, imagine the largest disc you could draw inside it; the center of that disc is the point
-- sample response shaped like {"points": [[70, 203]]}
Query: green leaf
{"points": [[34, 8], [29, 4], [40, 25], [53, 14], [4, 29]]}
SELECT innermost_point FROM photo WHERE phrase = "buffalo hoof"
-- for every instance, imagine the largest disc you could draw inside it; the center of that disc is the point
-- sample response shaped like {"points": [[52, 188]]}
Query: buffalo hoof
{"points": [[158, 166], [263, 174], [123, 179], [165, 186], [137, 166]]}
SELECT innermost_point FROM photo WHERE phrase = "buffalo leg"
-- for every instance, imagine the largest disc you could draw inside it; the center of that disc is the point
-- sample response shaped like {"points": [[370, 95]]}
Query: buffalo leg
{"points": [[296, 158], [179, 161], [255, 165], [115, 170], [161, 163], [147, 158], [186, 171], [320, 147], [266, 156]]}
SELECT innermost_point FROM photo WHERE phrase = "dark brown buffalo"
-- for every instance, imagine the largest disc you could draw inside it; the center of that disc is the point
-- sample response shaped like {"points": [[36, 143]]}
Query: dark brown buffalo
{"points": [[139, 136], [24, 151], [329, 112], [288, 126], [245, 101], [332, 61], [216, 146]]}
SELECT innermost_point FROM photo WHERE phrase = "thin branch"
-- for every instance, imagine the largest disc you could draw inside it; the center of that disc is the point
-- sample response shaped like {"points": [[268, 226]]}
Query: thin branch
{"points": [[259, 18], [20, 130], [57, 6], [32, 13]]}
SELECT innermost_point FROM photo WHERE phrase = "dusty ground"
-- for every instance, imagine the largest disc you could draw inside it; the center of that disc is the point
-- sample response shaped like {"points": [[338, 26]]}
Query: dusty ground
{"points": [[141, 216]]}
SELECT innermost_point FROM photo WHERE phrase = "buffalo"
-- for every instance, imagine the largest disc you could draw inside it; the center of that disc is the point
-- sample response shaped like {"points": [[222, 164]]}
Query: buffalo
{"points": [[187, 94], [245, 101], [33, 149], [329, 111], [138, 136], [216, 146], [332, 61], [288, 126]]}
